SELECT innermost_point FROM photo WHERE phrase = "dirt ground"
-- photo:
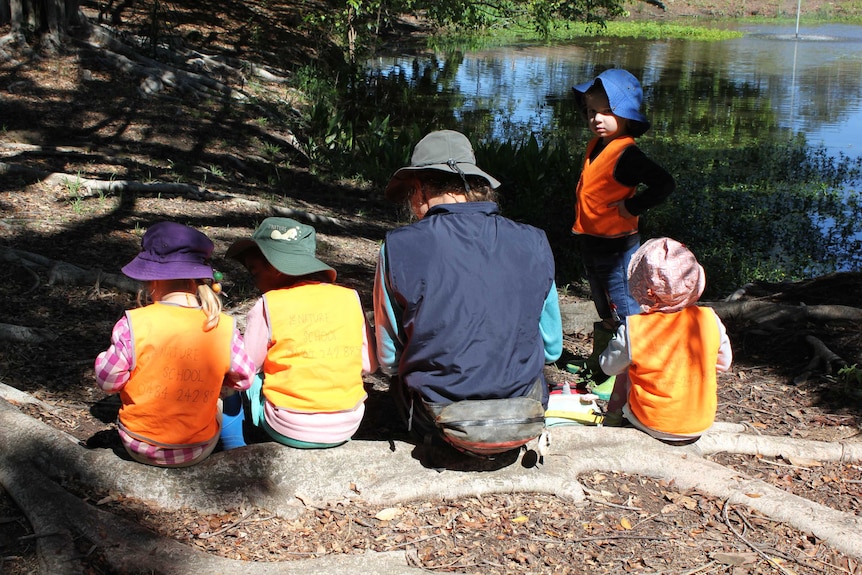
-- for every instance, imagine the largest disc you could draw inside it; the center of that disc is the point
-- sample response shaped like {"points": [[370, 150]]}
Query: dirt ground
{"points": [[92, 122]]}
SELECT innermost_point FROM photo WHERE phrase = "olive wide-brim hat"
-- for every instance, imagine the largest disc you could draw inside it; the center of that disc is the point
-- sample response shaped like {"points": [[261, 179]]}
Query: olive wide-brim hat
{"points": [[443, 151], [288, 245]]}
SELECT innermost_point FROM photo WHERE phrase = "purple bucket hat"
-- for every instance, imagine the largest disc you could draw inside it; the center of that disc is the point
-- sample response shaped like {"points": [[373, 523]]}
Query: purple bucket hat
{"points": [[172, 251], [664, 276], [625, 96]]}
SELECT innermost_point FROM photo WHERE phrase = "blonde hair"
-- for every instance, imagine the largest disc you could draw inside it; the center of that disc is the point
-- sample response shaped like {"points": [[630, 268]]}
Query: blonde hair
{"points": [[208, 299], [211, 304]]}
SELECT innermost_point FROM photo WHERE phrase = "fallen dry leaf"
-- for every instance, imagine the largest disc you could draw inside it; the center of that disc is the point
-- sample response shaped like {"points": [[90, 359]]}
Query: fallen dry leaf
{"points": [[388, 514], [626, 524]]}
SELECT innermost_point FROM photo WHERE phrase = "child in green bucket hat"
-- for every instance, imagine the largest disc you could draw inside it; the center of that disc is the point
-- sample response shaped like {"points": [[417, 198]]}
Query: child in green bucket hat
{"points": [[308, 339]]}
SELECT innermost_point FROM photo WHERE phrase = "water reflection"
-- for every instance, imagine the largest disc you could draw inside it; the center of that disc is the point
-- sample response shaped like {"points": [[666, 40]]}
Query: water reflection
{"points": [[728, 115], [760, 85]]}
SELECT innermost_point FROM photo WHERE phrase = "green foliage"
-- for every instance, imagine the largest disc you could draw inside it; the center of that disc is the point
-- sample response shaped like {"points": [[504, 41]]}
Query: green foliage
{"points": [[851, 375], [759, 211]]}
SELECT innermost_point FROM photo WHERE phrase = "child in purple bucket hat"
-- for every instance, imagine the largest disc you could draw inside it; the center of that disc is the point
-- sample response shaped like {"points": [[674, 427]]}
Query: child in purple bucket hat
{"points": [[667, 357], [618, 183], [170, 360]]}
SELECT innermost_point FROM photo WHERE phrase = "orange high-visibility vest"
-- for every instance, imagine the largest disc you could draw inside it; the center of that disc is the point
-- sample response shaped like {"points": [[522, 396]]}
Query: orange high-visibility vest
{"points": [[314, 363], [171, 398], [673, 373], [597, 188]]}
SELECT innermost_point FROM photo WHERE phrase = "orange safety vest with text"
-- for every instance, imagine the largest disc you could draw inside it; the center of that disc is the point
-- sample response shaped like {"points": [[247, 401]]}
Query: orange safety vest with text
{"points": [[673, 373], [597, 188], [171, 398], [314, 363]]}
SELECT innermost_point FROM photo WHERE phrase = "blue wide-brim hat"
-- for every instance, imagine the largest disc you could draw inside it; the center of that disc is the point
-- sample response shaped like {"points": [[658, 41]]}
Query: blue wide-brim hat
{"points": [[625, 97], [172, 251]]}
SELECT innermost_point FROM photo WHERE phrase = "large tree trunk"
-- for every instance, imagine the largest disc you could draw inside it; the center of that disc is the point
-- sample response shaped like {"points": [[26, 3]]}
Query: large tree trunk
{"points": [[50, 19]]}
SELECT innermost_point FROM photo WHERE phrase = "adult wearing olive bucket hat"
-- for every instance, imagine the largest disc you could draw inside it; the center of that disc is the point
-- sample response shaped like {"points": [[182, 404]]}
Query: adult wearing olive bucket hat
{"points": [[618, 183], [307, 337], [465, 304]]}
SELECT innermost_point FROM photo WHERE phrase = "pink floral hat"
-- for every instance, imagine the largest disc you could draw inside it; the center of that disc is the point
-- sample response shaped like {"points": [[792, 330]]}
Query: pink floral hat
{"points": [[664, 276]]}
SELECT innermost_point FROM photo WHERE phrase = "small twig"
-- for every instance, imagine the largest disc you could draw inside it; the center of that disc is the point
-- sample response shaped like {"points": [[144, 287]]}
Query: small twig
{"points": [[227, 527], [763, 555], [645, 519], [751, 427], [406, 543], [754, 409], [779, 464], [709, 565], [609, 504], [744, 520], [611, 537], [39, 536], [827, 563], [4, 520], [455, 564]]}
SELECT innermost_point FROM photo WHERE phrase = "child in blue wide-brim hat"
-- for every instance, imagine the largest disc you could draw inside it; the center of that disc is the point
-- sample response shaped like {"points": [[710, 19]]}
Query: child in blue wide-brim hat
{"points": [[618, 183], [624, 94]]}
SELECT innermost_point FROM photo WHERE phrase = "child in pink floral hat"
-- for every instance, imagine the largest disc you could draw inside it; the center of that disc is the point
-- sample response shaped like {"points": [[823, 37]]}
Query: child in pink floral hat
{"points": [[666, 358], [170, 360]]}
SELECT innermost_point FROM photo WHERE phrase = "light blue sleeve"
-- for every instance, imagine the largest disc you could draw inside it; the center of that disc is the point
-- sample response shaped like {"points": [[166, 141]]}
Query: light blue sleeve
{"points": [[387, 320], [551, 326]]}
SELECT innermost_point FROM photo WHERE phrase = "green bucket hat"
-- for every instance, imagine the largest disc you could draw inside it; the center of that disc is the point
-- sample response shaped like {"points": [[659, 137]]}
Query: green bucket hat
{"points": [[286, 244]]}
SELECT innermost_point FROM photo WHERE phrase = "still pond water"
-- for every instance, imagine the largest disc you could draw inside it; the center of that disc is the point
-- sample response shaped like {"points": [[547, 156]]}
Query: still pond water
{"points": [[774, 84], [772, 80]]}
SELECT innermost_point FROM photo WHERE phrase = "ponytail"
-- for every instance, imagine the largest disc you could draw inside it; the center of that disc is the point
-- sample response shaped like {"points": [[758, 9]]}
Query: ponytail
{"points": [[210, 304]]}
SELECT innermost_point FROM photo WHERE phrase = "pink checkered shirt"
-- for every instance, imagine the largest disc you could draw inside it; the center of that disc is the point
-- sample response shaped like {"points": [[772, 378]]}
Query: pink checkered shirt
{"points": [[113, 368]]}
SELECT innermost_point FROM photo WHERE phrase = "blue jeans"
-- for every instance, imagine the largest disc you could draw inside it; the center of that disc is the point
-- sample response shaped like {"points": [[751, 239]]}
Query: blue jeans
{"points": [[607, 273]]}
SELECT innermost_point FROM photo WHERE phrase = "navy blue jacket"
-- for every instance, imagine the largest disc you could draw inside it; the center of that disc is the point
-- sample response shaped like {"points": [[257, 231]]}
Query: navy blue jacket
{"points": [[472, 286]]}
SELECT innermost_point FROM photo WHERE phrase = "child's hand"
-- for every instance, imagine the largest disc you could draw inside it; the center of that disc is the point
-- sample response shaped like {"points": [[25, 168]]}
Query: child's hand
{"points": [[621, 207]]}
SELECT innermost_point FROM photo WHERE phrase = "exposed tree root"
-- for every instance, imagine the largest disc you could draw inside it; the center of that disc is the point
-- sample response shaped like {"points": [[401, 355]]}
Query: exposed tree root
{"points": [[60, 272], [59, 518], [823, 357], [286, 481], [766, 313], [23, 334]]}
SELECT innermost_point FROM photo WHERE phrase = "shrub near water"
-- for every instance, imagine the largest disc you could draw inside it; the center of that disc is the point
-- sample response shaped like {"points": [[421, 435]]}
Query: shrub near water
{"points": [[760, 211], [768, 212], [773, 212], [749, 210]]}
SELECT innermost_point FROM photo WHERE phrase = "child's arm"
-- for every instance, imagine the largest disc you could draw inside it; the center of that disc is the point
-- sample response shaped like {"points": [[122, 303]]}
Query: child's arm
{"points": [[551, 326], [257, 335], [241, 366], [633, 169], [387, 316], [616, 357], [725, 353], [369, 353], [113, 366]]}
